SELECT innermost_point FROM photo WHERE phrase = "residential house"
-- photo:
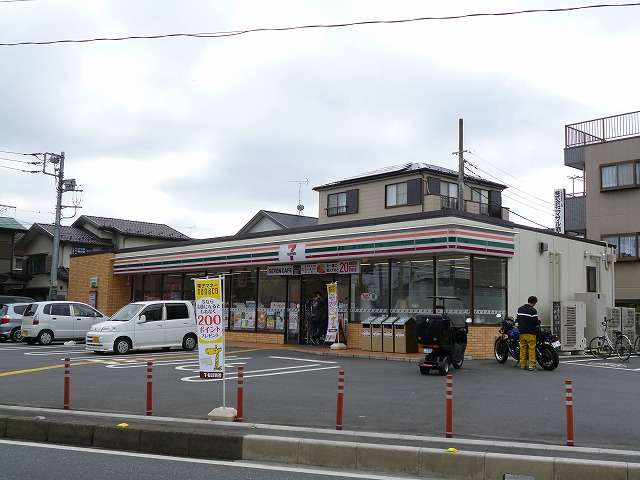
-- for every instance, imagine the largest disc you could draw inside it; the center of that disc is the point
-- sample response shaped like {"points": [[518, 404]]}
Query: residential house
{"points": [[12, 279], [87, 234]]}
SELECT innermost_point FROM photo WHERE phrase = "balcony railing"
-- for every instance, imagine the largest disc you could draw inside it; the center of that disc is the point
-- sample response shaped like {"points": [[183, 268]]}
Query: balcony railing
{"points": [[602, 129]]}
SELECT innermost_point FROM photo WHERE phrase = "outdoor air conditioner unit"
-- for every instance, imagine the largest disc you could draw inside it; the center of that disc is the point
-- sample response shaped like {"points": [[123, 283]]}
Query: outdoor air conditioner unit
{"points": [[573, 321], [614, 317], [629, 323]]}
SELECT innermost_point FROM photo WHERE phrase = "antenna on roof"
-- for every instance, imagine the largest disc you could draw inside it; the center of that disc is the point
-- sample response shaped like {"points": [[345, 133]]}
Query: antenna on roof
{"points": [[300, 207]]}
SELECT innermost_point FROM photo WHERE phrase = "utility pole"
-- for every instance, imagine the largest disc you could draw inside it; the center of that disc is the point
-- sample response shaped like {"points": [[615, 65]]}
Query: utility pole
{"points": [[61, 187], [460, 167]]}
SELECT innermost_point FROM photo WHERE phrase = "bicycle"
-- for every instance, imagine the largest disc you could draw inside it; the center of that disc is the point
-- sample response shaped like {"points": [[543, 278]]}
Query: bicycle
{"points": [[601, 346], [636, 345]]}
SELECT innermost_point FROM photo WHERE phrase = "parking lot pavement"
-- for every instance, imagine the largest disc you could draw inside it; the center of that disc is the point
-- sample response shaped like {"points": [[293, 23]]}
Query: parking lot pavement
{"points": [[487, 400]]}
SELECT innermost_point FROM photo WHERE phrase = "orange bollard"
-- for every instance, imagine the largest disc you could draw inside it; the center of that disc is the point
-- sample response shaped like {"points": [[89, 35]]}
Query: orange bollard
{"points": [[568, 386], [240, 400], [449, 407], [340, 401], [67, 381], [149, 388]]}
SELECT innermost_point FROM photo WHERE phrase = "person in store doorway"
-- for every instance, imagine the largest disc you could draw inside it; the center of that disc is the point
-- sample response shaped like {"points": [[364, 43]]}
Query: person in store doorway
{"points": [[317, 317], [528, 326]]}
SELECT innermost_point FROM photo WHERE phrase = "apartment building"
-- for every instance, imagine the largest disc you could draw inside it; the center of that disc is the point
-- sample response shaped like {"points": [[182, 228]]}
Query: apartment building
{"points": [[607, 153]]}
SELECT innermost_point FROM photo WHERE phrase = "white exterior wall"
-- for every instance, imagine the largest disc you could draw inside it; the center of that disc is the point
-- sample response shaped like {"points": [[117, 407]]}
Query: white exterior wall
{"points": [[531, 272]]}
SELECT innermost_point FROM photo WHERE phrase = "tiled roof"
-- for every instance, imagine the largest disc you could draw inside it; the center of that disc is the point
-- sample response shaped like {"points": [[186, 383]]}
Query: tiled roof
{"points": [[132, 228], [282, 220], [288, 220], [72, 235], [8, 223]]}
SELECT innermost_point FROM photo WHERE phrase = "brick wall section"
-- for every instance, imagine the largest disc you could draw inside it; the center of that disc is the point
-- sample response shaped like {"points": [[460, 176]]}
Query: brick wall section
{"points": [[255, 337], [113, 291], [480, 341], [354, 335]]}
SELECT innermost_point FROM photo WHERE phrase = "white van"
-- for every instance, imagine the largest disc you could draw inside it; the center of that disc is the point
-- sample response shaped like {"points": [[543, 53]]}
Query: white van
{"points": [[156, 324], [44, 322]]}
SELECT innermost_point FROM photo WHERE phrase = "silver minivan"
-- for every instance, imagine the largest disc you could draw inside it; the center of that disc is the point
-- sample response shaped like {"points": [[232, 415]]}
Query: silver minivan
{"points": [[44, 322]]}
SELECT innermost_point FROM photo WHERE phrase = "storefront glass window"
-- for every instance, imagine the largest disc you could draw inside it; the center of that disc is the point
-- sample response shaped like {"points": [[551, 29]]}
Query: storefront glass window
{"points": [[411, 285], [272, 292], [490, 289], [152, 287], [172, 287], [138, 288], [189, 292], [371, 291], [244, 286], [453, 278]]}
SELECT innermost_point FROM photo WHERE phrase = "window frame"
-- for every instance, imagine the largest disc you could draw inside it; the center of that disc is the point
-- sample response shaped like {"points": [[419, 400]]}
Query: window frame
{"points": [[614, 183], [351, 198], [616, 241], [340, 207]]}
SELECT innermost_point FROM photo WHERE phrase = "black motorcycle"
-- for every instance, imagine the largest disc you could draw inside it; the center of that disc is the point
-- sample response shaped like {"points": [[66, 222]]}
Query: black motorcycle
{"points": [[508, 344]]}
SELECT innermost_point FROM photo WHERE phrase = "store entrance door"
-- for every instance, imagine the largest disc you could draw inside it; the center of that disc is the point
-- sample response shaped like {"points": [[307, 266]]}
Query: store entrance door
{"points": [[310, 285]]}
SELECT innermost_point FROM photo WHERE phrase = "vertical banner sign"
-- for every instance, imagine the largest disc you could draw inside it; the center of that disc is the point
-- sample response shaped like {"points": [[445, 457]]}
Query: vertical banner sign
{"points": [[209, 301], [558, 209], [332, 306]]}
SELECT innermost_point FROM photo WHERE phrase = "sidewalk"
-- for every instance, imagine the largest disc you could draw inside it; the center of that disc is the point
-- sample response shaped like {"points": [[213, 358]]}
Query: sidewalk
{"points": [[327, 350]]}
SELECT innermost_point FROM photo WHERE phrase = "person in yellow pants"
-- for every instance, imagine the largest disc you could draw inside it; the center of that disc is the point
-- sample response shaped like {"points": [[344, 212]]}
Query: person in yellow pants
{"points": [[528, 326]]}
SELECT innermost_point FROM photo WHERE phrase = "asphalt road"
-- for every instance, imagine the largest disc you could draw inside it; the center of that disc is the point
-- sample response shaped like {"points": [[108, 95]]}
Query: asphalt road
{"points": [[286, 387], [57, 462]]}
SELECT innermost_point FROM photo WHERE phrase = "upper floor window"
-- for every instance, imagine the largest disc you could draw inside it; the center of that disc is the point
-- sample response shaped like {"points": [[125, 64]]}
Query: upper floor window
{"points": [[626, 245], [342, 203], [404, 193], [449, 194], [37, 265], [481, 196], [619, 175]]}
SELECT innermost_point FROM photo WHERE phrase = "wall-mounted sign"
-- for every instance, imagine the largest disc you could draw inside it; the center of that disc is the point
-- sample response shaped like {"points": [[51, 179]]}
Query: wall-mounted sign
{"points": [[345, 267], [93, 282], [558, 210]]}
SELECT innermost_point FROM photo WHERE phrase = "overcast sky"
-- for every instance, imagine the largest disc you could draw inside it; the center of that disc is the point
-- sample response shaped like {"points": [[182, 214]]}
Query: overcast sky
{"points": [[202, 133]]}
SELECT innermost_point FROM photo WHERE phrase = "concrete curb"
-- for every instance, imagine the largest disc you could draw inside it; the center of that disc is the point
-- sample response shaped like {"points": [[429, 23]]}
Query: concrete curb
{"points": [[204, 441], [429, 462]]}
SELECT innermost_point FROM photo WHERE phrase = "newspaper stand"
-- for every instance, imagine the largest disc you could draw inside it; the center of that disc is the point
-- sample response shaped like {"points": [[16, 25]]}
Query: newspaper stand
{"points": [[366, 333], [404, 335], [376, 334], [387, 334]]}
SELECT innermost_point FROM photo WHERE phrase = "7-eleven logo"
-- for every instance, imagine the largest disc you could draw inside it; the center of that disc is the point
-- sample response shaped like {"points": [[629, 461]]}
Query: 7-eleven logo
{"points": [[292, 252]]}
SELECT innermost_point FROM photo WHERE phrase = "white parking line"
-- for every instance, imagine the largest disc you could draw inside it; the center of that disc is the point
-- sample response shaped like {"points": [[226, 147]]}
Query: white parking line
{"points": [[302, 359], [251, 374]]}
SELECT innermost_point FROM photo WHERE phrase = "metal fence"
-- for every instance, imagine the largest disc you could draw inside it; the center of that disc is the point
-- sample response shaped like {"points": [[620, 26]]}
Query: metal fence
{"points": [[602, 129]]}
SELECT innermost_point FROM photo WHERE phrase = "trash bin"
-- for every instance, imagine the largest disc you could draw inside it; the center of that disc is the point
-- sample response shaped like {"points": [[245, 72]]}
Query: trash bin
{"points": [[387, 334], [366, 333], [376, 334], [404, 335]]}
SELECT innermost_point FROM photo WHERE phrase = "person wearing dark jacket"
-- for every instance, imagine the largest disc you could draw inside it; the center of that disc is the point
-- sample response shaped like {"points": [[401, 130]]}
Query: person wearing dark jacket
{"points": [[528, 326], [319, 314]]}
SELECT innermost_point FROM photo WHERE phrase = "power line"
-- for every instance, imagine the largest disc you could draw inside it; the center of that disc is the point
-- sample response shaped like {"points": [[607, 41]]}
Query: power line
{"points": [[331, 25], [529, 196], [507, 173]]}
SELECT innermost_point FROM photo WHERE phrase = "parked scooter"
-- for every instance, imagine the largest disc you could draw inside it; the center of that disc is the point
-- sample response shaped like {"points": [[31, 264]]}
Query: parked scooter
{"points": [[508, 345]]}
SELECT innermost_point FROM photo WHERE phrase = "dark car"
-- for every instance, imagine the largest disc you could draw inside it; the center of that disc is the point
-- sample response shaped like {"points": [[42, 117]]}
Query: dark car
{"points": [[4, 299], [11, 321]]}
